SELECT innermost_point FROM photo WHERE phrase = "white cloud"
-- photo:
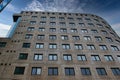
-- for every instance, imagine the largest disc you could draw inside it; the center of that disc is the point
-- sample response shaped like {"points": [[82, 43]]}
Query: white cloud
{"points": [[55, 6], [116, 27], [11, 8], [35, 5], [4, 29]]}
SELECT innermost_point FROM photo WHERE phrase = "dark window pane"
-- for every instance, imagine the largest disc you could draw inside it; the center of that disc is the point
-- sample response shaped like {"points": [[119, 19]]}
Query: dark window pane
{"points": [[101, 71], [116, 71], [52, 71], [19, 70], [69, 71], [23, 56], [26, 45], [2, 44], [85, 71]]}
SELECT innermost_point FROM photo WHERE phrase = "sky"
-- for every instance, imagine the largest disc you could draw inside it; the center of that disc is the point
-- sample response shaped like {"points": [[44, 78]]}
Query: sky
{"points": [[107, 9]]}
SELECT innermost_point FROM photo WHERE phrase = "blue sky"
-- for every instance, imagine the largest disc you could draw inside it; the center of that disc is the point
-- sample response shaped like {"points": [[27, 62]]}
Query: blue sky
{"points": [[108, 9]]}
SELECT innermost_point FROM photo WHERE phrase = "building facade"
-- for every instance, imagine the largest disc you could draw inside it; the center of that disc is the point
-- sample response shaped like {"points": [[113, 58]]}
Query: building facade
{"points": [[60, 46]]}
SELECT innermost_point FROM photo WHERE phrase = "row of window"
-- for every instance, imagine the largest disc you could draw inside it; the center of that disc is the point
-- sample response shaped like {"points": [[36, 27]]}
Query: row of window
{"points": [[65, 30], [65, 37], [69, 71], [65, 14], [43, 18], [72, 24], [72, 30], [66, 57], [67, 46]]}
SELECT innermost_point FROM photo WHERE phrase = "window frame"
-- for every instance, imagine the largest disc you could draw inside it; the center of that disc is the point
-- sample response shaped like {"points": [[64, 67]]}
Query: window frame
{"points": [[101, 71], [38, 57], [81, 57], [36, 71], [19, 70], [52, 71], [39, 45], [26, 45], [52, 57], [67, 57], [23, 56], [85, 71], [69, 71]]}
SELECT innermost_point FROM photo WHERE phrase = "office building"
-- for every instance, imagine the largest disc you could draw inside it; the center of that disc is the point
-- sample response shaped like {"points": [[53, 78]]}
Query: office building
{"points": [[60, 46]]}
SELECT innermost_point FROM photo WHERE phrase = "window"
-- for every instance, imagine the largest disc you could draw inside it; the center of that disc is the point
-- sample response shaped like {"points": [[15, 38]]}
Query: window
{"points": [[34, 17], [71, 19], [64, 37], [39, 45], [100, 26], [41, 29], [114, 48], [66, 46], [118, 56], [30, 28], [69, 71], [103, 47], [36, 70], [90, 24], [115, 71], [32, 22], [2, 44], [94, 31], [96, 20], [43, 18], [52, 18], [95, 58], [61, 18], [19, 70], [52, 46], [52, 71], [67, 57], [117, 41], [112, 34], [52, 37], [23, 56], [62, 24], [85, 71], [104, 32], [81, 24], [84, 31], [108, 58], [72, 24], [63, 30], [28, 36], [88, 19], [81, 58], [78, 46], [52, 29], [38, 57], [101, 71], [26, 45], [73, 30], [41, 37], [52, 57], [52, 23], [76, 37], [91, 47], [109, 39], [42, 23], [98, 38], [87, 38], [79, 19]]}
